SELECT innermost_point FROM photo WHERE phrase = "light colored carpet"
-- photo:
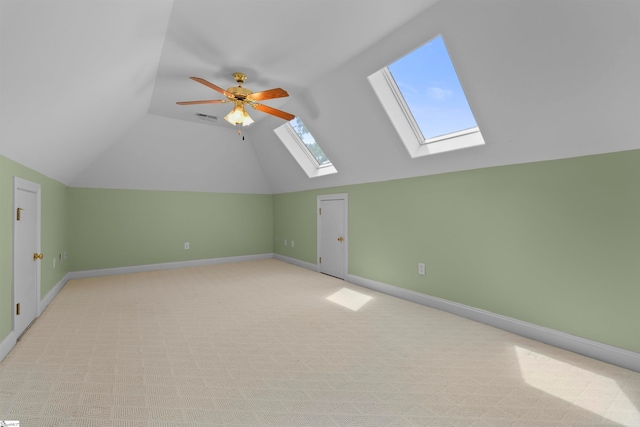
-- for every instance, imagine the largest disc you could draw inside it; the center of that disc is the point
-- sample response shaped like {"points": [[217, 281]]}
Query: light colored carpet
{"points": [[265, 343]]}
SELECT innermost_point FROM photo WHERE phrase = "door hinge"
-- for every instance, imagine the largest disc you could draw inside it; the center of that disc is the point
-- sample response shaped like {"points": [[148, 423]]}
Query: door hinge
{"points": [[320, 260], [18, 214], [320, 210], [18, 309]]}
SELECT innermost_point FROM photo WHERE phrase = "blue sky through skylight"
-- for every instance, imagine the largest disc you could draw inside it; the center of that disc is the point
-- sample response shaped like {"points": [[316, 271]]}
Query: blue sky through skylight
{"points": [[429, 84]]}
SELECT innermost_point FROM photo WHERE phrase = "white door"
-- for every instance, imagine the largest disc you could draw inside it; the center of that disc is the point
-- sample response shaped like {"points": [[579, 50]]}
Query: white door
{"points": [[26, 252], [332, 235]]}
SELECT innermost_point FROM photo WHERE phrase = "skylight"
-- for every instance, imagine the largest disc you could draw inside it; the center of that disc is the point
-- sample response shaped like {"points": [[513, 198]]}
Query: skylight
{"points": [[304, 148], [309, 142], [424, 99]]}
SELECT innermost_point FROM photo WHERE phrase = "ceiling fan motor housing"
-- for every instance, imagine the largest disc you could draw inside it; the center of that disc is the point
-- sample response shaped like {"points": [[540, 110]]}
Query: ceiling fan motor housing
{"points": [[239, 92]]}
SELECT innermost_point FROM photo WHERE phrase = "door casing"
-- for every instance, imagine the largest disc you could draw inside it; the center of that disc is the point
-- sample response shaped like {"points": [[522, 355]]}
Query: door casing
{"points": [[31, 309], [343, 271]]}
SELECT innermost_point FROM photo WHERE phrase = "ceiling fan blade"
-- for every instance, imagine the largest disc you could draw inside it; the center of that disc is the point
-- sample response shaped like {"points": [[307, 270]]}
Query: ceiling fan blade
{"points": [[214, 87], [268, 94], [209, 101], [273, 111]]}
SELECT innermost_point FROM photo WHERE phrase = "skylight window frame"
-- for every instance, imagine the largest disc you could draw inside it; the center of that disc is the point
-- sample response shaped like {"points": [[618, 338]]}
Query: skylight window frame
{"points": [[305, 148], [301, 153], [394, 104]]}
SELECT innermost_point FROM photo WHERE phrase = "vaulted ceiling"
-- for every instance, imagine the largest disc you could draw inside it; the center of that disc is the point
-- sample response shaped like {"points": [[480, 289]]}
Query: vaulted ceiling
{"points": [[88, 89]]}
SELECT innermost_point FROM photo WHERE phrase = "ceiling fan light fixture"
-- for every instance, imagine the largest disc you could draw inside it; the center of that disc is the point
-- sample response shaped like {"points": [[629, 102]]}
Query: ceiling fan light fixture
{"points": [[238, 115], [247, 120]]}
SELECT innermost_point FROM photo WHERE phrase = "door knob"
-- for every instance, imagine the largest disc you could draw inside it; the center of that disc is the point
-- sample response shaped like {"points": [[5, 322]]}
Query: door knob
{"points": [[340, 239], [37, 256]]}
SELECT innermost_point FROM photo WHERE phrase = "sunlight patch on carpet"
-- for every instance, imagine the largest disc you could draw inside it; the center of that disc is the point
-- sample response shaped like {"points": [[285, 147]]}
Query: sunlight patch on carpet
{"points": [[350, 299]]}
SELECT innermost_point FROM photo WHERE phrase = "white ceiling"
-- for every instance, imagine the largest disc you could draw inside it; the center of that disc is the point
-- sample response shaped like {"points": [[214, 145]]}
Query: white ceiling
{"points": [[283, 43], [88, 88]]}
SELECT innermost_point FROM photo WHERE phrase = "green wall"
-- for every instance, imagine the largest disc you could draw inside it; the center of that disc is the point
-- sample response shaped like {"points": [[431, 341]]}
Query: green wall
{"points": [[553, 243], [100, 228], [117, 228], [54, 234], [294, 217]]}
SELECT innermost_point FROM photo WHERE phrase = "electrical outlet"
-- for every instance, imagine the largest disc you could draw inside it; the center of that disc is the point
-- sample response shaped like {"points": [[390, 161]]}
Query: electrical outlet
{"points": [[285, 242], [292, 243], [186, 246], [421, 268]]}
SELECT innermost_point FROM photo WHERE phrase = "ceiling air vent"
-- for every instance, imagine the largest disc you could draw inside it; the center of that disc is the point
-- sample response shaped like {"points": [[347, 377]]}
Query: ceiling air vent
{"points": [[207, 117]]}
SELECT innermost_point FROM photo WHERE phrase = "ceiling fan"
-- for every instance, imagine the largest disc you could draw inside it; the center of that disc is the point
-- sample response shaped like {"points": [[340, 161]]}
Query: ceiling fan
{"points": [[242, 96]]}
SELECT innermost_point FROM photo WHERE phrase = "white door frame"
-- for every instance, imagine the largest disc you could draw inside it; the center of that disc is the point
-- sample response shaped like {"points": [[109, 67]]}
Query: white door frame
{"points": [[326, 197], [20, 184]]}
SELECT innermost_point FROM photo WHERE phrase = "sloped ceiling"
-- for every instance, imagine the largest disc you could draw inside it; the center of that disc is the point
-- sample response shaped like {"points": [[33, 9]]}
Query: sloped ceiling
{"points": [[88, 88], [75, 76]]}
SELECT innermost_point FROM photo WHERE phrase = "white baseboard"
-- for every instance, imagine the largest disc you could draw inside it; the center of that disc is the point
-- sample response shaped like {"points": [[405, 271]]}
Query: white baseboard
{"points": [[596, 350], [7, 344], [44, 302], [297, 262], [165, 266]]}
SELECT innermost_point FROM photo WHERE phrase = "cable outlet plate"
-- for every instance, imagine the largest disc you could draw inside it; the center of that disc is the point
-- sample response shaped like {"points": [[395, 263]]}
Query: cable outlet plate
{"points": [[421, 268]]}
